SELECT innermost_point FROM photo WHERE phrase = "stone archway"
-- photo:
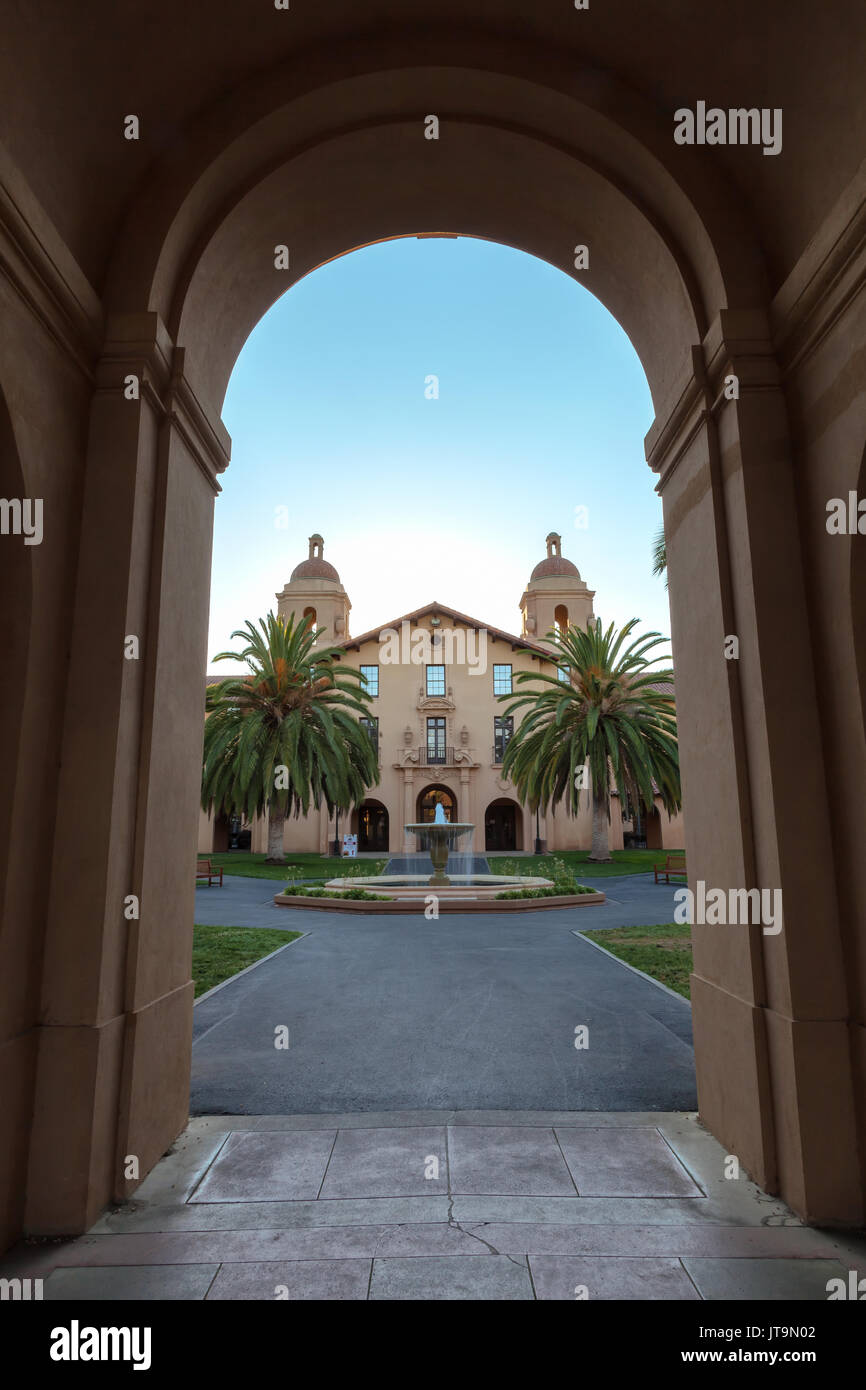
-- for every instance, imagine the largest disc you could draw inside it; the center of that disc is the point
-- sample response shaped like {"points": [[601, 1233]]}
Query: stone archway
{"points": [[319, 155], [15, 620], [432, 796], [858, 596], [503, 826], [370, 822]]}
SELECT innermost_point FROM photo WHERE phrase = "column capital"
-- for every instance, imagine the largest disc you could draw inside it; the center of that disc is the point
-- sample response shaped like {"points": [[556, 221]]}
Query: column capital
{"points": [[736, 345], [140, 345]]}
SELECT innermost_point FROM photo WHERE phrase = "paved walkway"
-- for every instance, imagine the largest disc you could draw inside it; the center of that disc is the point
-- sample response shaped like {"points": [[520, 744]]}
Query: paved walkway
{"points": [[603, 1194], [444, 1205], [475, 1012], [633, 901]]}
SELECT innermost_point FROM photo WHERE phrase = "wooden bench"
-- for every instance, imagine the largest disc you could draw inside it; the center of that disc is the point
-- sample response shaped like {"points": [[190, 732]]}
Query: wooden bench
{"points": [[205, 870], [674, 864]]}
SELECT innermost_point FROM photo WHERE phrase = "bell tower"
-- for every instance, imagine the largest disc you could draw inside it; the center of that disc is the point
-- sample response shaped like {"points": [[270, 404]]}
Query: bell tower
{"points": [[316, 592], [555, 596]]}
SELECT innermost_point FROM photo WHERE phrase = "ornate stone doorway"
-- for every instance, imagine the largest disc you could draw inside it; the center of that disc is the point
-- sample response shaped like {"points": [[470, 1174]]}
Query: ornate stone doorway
{"points": [[434, 796]]}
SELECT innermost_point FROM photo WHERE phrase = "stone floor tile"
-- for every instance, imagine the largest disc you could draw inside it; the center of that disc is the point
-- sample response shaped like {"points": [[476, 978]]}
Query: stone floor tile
{"points": [[506, 1159], [112, 1283], [452, 1278], [275, 1281], [765, 1280], [387, 1163], [580, 1211], [361, 1119], [298, 1215], [624, 1163], [259, 1246], [267, 1167], [569, 1277], [695, 1239]]}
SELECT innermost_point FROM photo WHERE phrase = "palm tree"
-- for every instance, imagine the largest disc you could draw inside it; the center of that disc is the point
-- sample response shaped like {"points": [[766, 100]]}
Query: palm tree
{"points": [[660, 554], [607, 710], [288, 735]]}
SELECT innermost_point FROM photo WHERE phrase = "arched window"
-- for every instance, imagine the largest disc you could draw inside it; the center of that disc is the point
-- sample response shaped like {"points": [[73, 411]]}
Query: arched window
{"points": [[310, 616], [560, 617]]}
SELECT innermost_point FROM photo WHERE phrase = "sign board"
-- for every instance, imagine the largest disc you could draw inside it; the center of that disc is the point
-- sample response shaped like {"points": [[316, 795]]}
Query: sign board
{"points": [[350, 846]]}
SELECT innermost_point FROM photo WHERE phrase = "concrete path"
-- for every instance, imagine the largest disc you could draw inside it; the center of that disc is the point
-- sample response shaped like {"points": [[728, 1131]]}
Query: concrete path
{"points": [[443, 1205], [464, 1013]]}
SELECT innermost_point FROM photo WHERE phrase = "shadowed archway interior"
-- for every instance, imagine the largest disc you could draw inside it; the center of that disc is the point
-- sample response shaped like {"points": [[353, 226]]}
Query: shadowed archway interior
{"points": [[252, 171]]}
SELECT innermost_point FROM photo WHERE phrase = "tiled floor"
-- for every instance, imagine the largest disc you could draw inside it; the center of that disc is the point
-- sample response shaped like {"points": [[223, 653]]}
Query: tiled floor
{"points": [[437, 1205]]}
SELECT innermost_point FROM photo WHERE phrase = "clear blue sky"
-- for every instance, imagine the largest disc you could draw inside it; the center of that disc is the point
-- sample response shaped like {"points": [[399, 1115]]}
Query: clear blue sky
{"points": [[543, 407]]}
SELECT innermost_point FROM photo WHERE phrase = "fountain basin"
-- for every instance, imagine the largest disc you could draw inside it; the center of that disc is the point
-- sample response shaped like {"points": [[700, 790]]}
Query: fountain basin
{"points": [[412, 898], [462, 886]]}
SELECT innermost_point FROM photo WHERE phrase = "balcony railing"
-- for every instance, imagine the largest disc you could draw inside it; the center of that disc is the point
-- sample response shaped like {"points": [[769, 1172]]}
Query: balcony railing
{"points": [[435, 755]]}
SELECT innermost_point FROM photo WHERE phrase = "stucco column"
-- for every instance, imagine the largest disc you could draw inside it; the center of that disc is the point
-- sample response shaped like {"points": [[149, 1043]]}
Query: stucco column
{"points": [[113, 1069], [769, 1010], [466, 808], [408, 838]]}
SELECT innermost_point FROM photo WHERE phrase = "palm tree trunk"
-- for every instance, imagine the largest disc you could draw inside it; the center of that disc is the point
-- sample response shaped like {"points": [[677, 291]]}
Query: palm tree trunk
{"points": [[600, 853], [276, 853]]}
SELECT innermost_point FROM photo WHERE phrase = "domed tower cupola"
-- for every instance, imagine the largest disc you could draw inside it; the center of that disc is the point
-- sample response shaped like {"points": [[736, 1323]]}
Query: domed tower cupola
{"points": [[556, 596], [315, 592]]}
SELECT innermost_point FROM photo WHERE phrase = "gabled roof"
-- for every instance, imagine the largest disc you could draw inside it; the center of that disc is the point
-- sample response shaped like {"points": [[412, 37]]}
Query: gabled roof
{"points": [[517, 643]]}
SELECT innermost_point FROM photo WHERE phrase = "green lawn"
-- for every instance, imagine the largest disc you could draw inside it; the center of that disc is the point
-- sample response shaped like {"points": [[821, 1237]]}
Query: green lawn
{"points": [[220, 952], [625, 861], [323, 867], [663, 952], [242, 864]]}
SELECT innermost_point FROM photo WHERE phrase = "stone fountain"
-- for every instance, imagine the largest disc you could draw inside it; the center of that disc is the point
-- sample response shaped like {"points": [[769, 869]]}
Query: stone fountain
{"points": [[438, 836], [468, 890]]}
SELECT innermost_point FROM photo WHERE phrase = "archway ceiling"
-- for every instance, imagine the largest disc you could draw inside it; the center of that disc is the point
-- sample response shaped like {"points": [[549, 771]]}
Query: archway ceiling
{"points": [[539, 157], [69, 74], [367, 186]]}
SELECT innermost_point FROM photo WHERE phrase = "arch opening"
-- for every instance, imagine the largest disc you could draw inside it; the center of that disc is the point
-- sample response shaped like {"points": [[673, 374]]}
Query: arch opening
{"points": [[503, 826], [432, 796], [370, 822]]}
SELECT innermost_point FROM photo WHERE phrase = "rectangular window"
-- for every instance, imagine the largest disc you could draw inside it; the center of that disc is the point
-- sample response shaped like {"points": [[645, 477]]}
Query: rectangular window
{"points": [[435, 680], [370, 679], [501, 680], [563, 673], [436, 740], [503, 728], [372, 727]]}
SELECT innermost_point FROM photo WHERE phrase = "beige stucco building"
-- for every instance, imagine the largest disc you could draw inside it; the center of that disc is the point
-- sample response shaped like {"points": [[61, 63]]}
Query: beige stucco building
{"points": [[436, 676]]}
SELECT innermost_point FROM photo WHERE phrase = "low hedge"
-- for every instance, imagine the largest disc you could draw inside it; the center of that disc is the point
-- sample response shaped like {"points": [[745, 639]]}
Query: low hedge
{"points": [[546, 892], [355, 893]]}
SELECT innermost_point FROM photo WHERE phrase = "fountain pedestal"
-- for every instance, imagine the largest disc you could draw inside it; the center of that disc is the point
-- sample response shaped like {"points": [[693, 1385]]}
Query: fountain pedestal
{"points": [[439, 851], [440, 835]]}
